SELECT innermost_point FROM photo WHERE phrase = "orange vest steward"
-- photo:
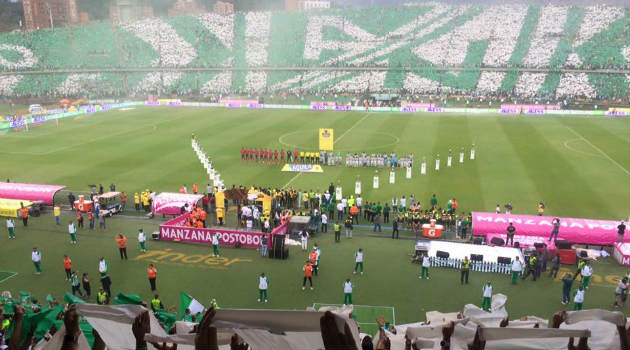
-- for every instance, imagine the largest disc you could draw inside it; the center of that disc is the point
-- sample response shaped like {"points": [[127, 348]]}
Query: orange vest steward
{"points": [[122, 242]]}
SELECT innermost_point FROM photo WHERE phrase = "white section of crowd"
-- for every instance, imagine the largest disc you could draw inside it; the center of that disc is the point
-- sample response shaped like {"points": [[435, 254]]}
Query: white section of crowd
{"points": [[596, 18], [172, 49], [257, 30], [498, 26], [74, 84], [222, 26], [8, 83]]}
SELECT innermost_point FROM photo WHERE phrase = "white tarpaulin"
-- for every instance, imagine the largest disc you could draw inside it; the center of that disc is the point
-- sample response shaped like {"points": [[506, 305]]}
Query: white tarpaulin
{"points": [[460, 250], [57, 340], [113, 323], [494, 317]]}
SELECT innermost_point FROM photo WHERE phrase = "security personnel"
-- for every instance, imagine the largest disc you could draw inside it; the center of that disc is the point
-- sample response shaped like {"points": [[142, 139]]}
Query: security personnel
{"points": [[152, 272], [101, 297], [57, 212], [156, 303], [121, 240], [337, 228], [146, 198], [24, 215], [136, 201], [464, 270], [531, 267], [5, 325]]}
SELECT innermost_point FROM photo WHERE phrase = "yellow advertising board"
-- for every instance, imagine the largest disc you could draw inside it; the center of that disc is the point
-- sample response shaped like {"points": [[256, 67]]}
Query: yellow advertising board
{"points": [[303, 168], [326, 139]]}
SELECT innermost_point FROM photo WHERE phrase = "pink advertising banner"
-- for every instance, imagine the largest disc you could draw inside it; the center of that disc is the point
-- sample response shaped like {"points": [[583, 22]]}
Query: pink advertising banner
{"points": [[584, 231], [30, 192], [171, 203], [174, 230]]}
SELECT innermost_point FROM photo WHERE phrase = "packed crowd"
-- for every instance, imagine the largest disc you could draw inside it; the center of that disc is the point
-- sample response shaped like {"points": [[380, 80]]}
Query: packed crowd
{"points": [[413, 40]]}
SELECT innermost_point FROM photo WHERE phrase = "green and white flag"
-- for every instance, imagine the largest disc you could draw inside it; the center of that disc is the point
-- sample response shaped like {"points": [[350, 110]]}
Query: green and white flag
{"points": [[188, 302]]}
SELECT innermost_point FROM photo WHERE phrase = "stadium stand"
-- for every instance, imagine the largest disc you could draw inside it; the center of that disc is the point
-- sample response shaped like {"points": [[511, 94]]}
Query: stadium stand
{"points": [[552, 52], [130, 324]]}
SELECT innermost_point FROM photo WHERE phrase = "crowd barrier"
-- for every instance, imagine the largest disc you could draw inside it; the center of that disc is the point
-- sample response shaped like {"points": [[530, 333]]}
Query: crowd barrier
{"points": [[174, 230], [410, 108], [28, 119]]}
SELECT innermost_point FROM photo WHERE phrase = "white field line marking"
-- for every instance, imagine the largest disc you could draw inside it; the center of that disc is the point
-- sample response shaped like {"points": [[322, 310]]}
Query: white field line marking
{"points": [[337, 139], [599, 150], [104, 137], [568, 142], [13, 275], [356, 306], [352, 127]]}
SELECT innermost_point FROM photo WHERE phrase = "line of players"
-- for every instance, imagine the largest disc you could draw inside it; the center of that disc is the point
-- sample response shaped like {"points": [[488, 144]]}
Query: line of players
{"points": [[266, 155], [378, 160]]}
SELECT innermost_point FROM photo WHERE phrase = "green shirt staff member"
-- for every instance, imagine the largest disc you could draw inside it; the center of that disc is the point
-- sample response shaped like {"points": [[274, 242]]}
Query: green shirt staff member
{"points": [[465, 269], [517, 268], [358, 259], [347, 292], [11, 228], [36, 256], [263, 285]]}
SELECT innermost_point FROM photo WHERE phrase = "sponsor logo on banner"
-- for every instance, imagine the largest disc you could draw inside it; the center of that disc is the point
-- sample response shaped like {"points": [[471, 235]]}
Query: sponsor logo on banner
{"points": [[171, 203], [171, 257], [616, 113], [303, 168], [584, 231]]}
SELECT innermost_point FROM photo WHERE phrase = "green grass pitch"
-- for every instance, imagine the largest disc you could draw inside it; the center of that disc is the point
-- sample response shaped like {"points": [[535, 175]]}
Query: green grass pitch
{"points": [[577, 165]]}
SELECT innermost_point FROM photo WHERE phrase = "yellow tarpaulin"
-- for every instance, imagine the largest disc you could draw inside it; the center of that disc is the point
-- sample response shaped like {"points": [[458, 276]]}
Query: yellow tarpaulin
{"points": [[9, 207], [326, 139]]}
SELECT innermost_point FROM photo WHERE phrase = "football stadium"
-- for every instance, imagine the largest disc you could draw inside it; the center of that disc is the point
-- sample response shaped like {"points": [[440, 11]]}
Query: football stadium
{"points": [[314, 174]]}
